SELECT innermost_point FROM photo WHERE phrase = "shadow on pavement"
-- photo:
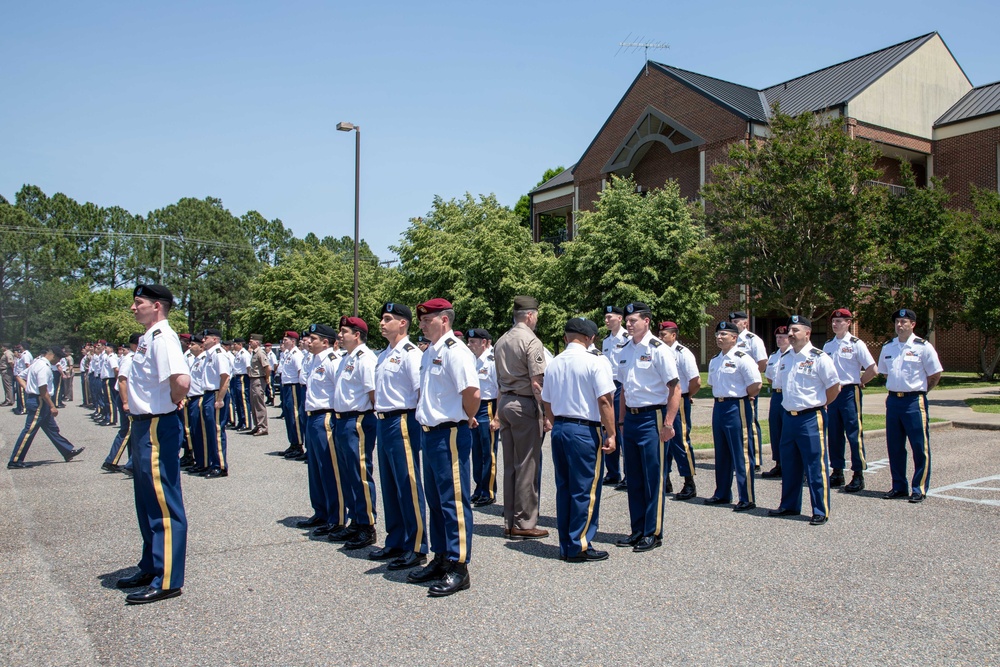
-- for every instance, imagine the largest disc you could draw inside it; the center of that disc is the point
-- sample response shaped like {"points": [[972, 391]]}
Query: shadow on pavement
{"points": [[111, 578]]}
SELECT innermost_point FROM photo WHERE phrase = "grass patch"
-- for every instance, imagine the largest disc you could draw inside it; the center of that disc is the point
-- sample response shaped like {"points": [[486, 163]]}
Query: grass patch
{"points": [[991, 405]]}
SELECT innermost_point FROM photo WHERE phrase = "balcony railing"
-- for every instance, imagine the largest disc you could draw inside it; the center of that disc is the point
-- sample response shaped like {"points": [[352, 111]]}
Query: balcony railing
{"points": [[894, 190]]}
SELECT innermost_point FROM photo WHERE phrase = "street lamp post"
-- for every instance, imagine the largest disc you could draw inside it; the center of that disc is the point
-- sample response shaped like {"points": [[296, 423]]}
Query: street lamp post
{"points": [[348, 127]]}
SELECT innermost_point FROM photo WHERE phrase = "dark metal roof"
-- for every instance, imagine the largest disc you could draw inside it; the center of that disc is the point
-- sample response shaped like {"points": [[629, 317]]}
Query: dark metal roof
{"points": [[562, 178], [741, 99], [981, 101], [837, 84]]}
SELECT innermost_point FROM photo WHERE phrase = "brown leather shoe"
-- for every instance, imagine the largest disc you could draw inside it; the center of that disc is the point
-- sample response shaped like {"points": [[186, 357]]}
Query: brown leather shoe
{"points": [[259, 432], [529, 533]]}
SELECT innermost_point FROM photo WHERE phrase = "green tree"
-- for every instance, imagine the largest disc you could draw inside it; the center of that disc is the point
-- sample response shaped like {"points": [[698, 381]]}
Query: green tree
{"points": [[633, 247], [792, 218], [269, 238], [522, 209], [978, 265], [916, 241], [476, 254]]}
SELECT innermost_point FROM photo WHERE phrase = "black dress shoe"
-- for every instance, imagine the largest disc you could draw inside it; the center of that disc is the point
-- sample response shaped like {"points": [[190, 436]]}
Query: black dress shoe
{"points": [[73, 454], [591, 554], [430, 572], [688, 491], [326, 529], [621, 486], [892, 495], [857, 483], [611, 480], [455, 579], [756, 468], [187, 461], [648, 543], [717, 501], [301, 456], [293, 452], [311, 522], [668, 487], [483, 502], [837, 478], [135, 581], [406, 561], [216, 472], [817, 520], [15, 465], [386, 553], [343, 534], [364, 537], [152, 595], [197, 470], [783, 512], [917, 497], [110, 467], [629, 541], [744, 507], [772, 473]]}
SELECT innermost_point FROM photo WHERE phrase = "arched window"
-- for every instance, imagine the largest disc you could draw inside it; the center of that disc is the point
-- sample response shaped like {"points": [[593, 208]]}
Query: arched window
{"points": [[653, 125]]}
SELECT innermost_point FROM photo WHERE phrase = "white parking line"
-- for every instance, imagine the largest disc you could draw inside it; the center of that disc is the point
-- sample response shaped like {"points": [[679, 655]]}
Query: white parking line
{"points": [[971, 485], [877, 465]]}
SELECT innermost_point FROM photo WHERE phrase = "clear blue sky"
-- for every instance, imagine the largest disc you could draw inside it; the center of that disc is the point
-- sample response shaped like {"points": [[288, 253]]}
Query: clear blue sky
{"points": [[139, 104]]}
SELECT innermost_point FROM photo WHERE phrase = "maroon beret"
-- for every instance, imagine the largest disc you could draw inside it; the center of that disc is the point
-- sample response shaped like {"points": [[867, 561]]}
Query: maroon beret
{"points": [[668, 325], [292, 334], [781, 331], [354, 323], [433, 306], [184, 336], [842, 312]]}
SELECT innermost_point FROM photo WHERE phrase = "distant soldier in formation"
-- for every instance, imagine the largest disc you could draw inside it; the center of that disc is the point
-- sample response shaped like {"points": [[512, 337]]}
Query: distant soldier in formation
{"points": [[7, 363], [258, 381], [612, 347], [484, 438], [775, 413], [679, 449], [752, 344]]}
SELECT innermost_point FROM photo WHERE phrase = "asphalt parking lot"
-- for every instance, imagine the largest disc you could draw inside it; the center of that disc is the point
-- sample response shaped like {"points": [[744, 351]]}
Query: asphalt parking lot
{"points": [[884, 582]]}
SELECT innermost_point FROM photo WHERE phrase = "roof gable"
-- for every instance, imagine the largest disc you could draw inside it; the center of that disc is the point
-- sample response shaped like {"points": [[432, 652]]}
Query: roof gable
{"points": [[981, 101], [743, 100]]}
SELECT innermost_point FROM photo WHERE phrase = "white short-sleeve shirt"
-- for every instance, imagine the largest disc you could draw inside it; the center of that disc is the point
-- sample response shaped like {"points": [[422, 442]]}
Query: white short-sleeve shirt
{"points": [[448, 368], [158, 357], [355, 378], [805, 376], [907, 365], [850, 357], [397, 377], [575, 380], [731, 373], [645, 368]]}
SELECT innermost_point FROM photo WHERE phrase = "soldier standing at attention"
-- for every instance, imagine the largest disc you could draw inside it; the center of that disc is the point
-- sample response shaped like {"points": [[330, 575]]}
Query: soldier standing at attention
{"points": [[912, 368], [157, 383], [651, 397], [449, 401], [484, 438], [215, 403], [612, 347], [809, 383], [259, 379], [735, 380], [291, 394], [679, 448], [752, 344], [856, 367], [775, 413], [7, 375], [577, 396]]}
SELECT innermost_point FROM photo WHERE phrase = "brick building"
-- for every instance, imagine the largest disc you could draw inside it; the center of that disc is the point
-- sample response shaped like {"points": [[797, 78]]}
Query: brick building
{"points": [[912, 100]]}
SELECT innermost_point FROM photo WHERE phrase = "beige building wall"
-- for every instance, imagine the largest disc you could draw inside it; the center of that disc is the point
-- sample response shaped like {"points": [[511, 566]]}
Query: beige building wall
{"points": [[914, 93]]}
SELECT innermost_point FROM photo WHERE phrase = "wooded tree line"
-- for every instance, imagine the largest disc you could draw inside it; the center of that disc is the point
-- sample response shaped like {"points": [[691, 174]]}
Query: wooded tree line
{"points": [[796, 217]]}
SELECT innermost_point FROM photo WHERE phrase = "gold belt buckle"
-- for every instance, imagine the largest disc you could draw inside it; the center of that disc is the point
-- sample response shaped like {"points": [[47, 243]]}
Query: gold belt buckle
{"points": [[793, 413], [426, 428], [380, 415], [899, 394]]}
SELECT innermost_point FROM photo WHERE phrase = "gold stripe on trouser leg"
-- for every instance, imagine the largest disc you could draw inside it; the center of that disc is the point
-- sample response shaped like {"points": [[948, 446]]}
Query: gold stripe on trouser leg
{"points": [[861, 429], [688, 452], [336, 468], [822, 461], [411, 469], [29, 434], [124, 445], [111, 402], [218, 431], [493, 454], [363, 461], [456, 478], [744, 431], [756, 421], [659, 477], [593, 494], [925, 426], [295, 416], [187, 427], [161, 499]]}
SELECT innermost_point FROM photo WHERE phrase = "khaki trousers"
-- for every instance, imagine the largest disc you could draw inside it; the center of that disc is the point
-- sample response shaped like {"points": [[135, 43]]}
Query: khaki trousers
{"points": [[257, 399], [521, 434]]}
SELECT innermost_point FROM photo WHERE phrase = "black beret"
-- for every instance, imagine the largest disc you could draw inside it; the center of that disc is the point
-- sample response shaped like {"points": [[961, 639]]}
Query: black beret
{"points": [[727, 326], [738, 315], [801, 320], [581, 325], [608, 310], [525, 303], [198, 338], [421, 339], [904, 312], [211, 332], [397, 309], [134, 339], [323, 331], [154, 292], [637, 307], [479, 333], [239, 340]]}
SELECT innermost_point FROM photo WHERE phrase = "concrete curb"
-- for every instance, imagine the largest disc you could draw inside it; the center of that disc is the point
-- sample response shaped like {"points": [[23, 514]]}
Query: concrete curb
{"points": [[709, 454]]}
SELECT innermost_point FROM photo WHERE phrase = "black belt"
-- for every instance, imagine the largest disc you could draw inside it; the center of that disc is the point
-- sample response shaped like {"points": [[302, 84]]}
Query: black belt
{"points": [[196, 396], [210, 392], [353, 414], [901, 394], [142, 418], [645, 408], [584, 422], [685, 394], [514, 393], [440, 427], [393, 413], [775, 391], [851, 384], [723, 399], [310, 413], [796, 413]]}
